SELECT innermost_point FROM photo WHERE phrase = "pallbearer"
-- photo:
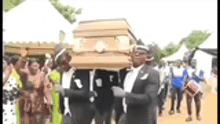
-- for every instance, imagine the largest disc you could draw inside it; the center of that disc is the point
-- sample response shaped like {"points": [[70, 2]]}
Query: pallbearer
{"points": [[74, 90], [138, 90], [103, 82]]}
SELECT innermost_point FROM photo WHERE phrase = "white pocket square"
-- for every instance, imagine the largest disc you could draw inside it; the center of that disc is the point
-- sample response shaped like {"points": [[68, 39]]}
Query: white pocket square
{"points": [[98, 82], [78, 83], [144, 77]]}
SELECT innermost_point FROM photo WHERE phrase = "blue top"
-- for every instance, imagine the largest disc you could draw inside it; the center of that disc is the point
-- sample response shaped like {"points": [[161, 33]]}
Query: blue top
{"points": [[195, 76], [178, 76]]}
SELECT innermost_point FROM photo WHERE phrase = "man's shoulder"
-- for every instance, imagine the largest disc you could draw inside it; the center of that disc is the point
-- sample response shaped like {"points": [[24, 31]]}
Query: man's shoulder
{"points": [[153, 71], [80, 71]]}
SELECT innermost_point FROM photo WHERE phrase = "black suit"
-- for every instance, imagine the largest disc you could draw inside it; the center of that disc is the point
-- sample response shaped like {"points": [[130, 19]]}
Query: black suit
{"points": [[104, 101], [79, 103], [142, 101]]}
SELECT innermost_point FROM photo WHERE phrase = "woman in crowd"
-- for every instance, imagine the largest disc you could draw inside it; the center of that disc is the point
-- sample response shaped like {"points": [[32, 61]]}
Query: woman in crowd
{"points": [[10, 93], [55, 79], [34, 106], [48, 86]]}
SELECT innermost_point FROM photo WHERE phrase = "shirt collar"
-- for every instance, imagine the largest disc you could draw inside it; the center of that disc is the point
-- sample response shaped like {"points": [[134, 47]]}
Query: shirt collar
{"points": [[137, 68], [69, 71]]}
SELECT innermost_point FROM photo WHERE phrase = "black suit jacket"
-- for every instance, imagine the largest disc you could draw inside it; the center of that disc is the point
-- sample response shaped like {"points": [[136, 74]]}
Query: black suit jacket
{"points": [[105, 99], [142, 101], [78, 98]]}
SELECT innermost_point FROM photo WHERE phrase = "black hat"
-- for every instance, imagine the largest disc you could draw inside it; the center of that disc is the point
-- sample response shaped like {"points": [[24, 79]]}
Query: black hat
{"points": [[144, 48]]}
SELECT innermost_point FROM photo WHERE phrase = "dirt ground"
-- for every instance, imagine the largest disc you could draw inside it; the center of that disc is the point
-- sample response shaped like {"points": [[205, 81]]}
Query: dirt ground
{"points": [[208, 112]]}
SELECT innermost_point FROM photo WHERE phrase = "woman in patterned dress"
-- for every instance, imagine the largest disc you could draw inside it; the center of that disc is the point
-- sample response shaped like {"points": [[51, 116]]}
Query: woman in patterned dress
{"points": [[34, 106], [10, 95], [48, 88]]}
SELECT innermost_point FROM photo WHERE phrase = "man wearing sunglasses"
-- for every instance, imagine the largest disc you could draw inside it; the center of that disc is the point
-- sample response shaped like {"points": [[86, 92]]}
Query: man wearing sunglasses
{"points": [[138, 90]]}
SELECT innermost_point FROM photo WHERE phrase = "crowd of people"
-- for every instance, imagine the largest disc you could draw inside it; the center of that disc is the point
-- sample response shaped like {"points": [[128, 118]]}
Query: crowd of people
{"points": [[62, 94]]}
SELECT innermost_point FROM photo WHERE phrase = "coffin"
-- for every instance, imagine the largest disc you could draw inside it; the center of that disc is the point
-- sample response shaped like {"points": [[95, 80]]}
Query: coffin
{"points": [[102, 44]]}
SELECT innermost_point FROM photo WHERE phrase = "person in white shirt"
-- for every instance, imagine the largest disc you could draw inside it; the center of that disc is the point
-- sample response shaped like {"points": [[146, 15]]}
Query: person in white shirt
{"points": [[194, 74], [138, 90], [163, 81], [178, 75]]}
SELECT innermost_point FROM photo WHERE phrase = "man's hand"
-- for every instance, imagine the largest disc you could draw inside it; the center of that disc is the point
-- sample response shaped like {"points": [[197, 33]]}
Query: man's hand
{"points": [[59, 89], [93, 94], [118, 92], [23, 53]]}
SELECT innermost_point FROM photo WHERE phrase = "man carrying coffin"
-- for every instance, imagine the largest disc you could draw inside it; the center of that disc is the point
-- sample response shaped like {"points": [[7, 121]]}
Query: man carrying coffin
{"points": [[138, 90], [103, 82], [74, 89]]}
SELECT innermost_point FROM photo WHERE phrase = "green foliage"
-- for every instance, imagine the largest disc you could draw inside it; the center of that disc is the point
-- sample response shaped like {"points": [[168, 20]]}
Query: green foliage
{"points": [[196, 38], [170, 49], [10, 4], [68, 12]]}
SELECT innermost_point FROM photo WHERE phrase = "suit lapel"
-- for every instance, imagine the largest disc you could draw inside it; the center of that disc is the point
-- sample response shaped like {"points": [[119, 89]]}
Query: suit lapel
{"points": [[143, 71]]}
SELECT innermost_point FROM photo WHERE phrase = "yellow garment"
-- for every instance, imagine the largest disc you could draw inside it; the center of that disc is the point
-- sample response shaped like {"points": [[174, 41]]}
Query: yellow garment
{"points": [[57, 116], [17, 76]]}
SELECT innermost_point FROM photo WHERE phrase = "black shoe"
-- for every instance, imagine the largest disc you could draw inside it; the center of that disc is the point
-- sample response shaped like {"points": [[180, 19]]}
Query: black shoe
{"points": [[188, 119], [171, 112], [178, 111]]}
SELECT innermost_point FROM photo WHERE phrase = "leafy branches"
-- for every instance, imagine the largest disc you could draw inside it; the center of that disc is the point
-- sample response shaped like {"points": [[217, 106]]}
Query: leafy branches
{"points": [[196, 38], [9, 4], [67, 11]]}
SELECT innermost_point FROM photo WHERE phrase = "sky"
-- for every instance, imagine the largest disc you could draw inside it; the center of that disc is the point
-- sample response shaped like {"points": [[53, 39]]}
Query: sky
{"points": [[161, 21]]}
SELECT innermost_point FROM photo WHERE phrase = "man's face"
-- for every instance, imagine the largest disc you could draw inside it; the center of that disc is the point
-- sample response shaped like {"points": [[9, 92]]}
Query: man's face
{"points": [[193, 64], [178, 63], [64, 62], [138, 57]]}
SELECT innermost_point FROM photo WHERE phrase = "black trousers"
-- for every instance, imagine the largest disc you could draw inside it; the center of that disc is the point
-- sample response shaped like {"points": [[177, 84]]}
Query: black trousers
{"points": [[166, 89], [105, 117], [179, 93], [161, 99], [197, 100]]}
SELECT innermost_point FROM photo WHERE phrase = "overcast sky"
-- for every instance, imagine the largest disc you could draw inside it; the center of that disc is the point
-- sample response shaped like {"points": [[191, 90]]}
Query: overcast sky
{"points": [[161, 21]]}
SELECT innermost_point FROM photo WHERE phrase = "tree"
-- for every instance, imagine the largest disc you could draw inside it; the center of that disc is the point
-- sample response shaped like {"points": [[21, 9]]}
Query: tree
{"points": [[10, 4], [68, 12], [195, 38], [170, 49]]}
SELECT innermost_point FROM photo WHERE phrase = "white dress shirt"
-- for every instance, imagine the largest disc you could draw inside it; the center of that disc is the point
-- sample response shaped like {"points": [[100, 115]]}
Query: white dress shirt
{"points": [[129, 83], [91, 88], [66, 83]]}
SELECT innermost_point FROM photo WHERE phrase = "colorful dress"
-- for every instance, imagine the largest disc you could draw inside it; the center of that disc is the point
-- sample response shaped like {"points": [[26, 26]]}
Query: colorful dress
{"points": [[34, 98], [57, 116], [10, 95]]}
